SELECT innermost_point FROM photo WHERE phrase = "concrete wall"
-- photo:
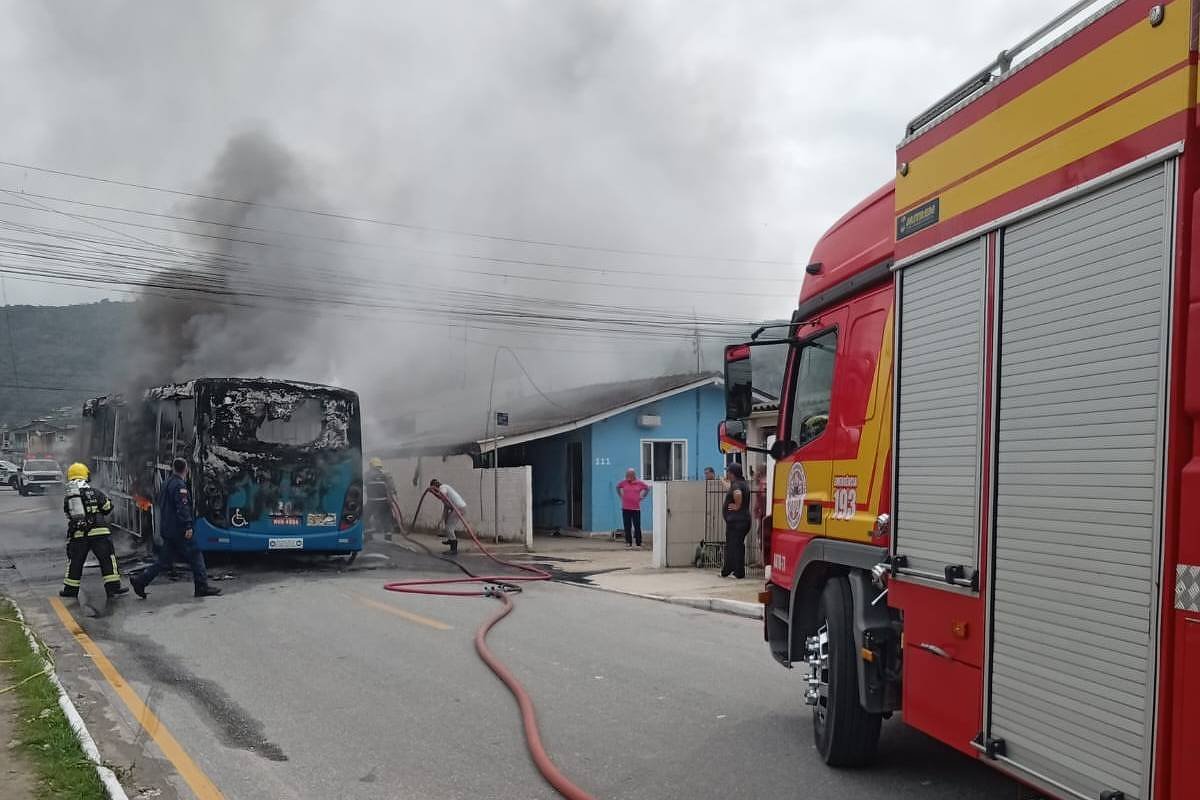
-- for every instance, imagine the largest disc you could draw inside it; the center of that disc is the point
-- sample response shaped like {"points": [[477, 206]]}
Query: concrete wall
{"points": [[616, 444], [513, 486]]}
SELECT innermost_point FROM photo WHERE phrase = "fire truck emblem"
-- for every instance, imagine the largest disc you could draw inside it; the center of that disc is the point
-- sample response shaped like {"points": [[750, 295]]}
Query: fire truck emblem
{"points": [[797, 489]]}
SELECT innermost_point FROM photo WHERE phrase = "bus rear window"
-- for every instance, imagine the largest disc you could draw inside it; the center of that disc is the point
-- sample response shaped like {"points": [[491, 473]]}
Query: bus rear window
{"points": [[246, 417], [295, 425]]}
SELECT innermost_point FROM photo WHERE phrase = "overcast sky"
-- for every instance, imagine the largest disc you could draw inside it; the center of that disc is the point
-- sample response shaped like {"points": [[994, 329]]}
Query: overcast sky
{"points": [[737, 130]]}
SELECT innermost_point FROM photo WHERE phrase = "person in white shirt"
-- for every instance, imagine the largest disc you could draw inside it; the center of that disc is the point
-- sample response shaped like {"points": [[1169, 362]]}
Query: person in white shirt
{"points": [[452, 502]]}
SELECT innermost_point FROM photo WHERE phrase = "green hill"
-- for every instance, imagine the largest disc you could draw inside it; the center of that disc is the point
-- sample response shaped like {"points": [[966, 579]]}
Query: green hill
{"points": [[63, 354]]}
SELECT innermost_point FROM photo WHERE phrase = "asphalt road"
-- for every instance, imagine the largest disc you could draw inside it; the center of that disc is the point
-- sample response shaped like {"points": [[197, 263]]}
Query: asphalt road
{"points": [[307, 680]]}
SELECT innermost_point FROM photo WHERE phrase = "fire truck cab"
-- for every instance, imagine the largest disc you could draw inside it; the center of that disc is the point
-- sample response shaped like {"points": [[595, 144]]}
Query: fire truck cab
{"points": [[986, 504]]}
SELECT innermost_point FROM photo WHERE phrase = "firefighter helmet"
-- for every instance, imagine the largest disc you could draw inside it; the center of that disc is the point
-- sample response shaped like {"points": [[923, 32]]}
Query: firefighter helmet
{"points": [[78, 472], [376, 462]]}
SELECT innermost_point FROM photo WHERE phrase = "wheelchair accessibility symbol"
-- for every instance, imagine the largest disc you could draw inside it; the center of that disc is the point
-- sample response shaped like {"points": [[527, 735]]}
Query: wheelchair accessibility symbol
{"points": [[237, 519]]}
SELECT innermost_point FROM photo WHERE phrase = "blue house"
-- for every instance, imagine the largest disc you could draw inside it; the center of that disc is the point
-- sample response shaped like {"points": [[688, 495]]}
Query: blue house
{"points": [[665, 428]]}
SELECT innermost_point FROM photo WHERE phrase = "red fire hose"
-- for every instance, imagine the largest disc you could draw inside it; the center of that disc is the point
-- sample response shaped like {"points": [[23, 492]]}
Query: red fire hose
{"points": [[497, 586]]}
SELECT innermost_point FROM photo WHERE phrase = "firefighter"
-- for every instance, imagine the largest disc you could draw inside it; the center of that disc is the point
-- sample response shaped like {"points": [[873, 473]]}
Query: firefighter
{"points": [[381, 490], [175, 525], [86, 508]]}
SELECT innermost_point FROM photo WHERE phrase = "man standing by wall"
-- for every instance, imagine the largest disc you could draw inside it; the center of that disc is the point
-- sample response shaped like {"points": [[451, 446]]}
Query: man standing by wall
{"points": [[452, 505], [175, 523], [632, 492]]}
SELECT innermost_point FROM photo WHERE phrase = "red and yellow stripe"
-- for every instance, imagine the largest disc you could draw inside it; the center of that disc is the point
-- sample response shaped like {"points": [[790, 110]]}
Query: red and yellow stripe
{"points": [[1058, 111]]}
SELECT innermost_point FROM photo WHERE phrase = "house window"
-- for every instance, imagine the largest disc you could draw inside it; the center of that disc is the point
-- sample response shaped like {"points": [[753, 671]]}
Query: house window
{"points": [[664, 459]]}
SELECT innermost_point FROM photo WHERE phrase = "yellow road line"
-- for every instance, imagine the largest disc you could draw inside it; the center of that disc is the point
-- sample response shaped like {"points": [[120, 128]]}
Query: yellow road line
{"points": [[197, 781], [399, 612]]}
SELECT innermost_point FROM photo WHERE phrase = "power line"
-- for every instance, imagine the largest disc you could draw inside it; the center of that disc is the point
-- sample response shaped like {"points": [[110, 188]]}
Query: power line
{"points": [[222, 258], [34, 387], [213, 284], [391, 223], [389, 262], [362, 243]]}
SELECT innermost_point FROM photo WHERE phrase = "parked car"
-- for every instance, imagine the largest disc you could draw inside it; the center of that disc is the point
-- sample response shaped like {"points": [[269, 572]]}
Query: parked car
{"points": [[36, 475], [8, 473]]}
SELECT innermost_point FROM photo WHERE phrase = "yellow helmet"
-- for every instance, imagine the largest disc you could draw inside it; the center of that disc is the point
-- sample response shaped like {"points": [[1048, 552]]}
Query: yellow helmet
{"points": [[376, 462], [78, 472]]}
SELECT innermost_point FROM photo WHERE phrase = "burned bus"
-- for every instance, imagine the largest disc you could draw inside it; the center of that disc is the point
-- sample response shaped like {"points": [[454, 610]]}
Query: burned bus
{"points": [[275, 465]]}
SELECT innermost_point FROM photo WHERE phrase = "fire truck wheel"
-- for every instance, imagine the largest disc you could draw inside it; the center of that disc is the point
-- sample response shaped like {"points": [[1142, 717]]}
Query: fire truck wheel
{"points": [[845, 734]]}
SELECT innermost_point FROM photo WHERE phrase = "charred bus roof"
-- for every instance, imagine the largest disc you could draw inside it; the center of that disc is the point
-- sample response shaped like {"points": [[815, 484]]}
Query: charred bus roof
{"points": [[187, 390], [855, 252]]}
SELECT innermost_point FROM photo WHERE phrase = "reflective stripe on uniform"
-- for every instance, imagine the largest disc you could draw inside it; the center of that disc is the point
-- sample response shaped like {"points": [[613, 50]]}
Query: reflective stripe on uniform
{"points": [[74, 584], [99, 532], [114, 578]]}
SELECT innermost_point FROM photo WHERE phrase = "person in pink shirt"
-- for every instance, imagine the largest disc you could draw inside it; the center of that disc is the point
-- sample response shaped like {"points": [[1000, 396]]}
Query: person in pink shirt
{"points": [[632, 491]]}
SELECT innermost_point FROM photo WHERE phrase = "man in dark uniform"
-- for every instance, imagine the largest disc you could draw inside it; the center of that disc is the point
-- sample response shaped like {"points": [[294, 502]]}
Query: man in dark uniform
{"points": [[86, 508], [175, 524]]}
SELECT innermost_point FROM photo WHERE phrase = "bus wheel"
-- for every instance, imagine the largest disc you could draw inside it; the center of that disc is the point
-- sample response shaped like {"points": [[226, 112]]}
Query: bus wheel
{"points": [[845, 734], [352, 557]]}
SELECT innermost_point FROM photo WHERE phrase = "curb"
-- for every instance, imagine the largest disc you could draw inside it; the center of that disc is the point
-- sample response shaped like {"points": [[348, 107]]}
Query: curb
{"points": [[720, 605], [111, 785]]}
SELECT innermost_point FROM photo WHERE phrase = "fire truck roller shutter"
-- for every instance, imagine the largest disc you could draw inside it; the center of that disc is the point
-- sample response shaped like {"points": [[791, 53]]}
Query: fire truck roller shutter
{"points": [[1081, 411], [938, 450]]}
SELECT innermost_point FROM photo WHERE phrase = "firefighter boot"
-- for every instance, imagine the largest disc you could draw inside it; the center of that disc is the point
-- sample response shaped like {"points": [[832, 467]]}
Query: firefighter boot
{"points": [[453, 551], [68, 591], [207, 591], [117, 590]]}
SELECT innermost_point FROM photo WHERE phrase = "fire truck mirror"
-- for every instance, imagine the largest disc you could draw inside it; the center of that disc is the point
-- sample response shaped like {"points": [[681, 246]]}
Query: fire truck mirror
{"points": [[783, 448], [739, 388]]}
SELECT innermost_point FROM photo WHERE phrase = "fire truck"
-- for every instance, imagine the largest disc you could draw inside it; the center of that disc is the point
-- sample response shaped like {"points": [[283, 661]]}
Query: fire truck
{"points": [[985, 506]]}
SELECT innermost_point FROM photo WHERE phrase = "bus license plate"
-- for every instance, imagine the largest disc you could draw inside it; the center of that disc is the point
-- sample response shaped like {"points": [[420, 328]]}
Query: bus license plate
{"points": [[285, 544]]}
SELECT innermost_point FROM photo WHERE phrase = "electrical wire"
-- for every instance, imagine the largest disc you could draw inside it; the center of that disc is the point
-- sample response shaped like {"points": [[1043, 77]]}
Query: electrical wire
{"points": [[378, 245], [390, 223], [490, 274]]}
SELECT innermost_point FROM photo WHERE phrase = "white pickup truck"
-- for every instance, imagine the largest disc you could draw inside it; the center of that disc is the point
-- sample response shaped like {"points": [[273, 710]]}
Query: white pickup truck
{"points": [[36, 475]]}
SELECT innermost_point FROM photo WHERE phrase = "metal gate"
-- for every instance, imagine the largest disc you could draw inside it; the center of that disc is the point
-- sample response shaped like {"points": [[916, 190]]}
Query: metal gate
{"points": [[1082, 364]]}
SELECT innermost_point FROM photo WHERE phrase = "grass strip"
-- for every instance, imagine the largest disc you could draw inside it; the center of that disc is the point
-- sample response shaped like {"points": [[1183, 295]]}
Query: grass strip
{"points": [[45, 736]]}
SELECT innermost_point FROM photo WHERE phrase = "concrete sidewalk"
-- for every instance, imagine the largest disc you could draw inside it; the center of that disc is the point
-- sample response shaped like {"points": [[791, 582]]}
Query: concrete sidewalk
{"points": [[604, 564], [600, 563]]}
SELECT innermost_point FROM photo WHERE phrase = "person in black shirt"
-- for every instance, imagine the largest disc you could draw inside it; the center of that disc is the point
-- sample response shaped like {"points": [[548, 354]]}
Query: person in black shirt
{"points": [[737, 522]]}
